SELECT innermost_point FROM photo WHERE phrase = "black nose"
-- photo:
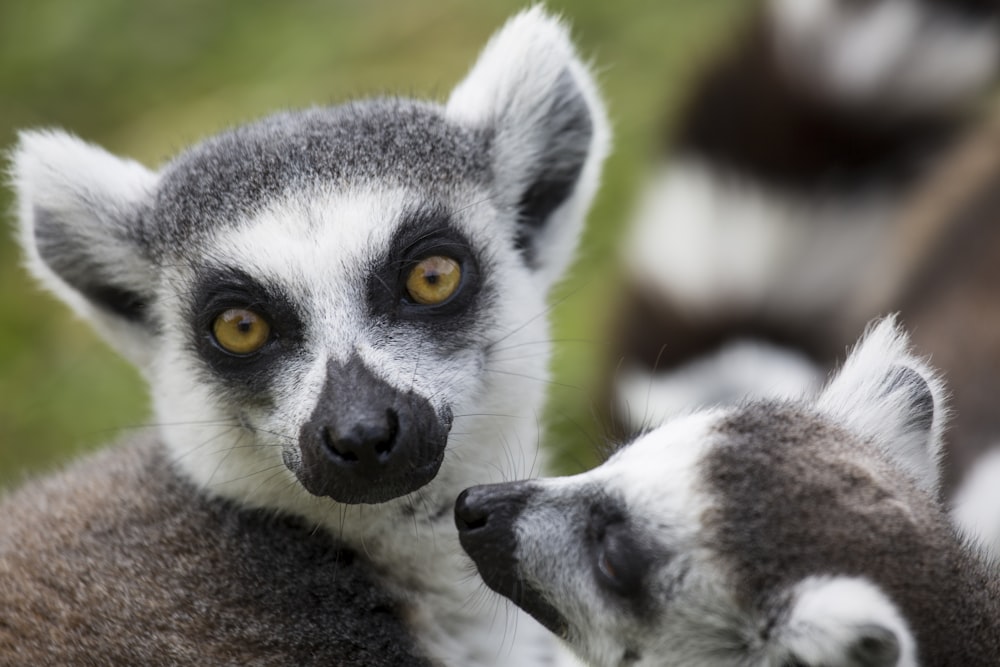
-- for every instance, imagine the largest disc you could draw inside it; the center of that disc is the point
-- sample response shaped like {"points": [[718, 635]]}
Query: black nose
{"points": [[468, 515], [486, 516], [366, 441], [367, 444]]}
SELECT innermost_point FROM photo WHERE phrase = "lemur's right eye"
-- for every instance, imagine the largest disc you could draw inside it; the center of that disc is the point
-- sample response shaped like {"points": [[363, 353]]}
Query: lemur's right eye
{"points": [[433, 280], [241, 331]]}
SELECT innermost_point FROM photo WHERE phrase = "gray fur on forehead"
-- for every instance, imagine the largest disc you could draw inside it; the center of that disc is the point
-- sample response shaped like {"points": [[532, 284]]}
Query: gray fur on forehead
{"points": [[388, 141], [798, 495]]}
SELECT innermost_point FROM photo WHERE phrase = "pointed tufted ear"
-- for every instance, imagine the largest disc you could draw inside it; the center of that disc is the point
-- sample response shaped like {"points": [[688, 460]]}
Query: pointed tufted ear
{"points": [[886, 393], [549, 133], [79, 210], [842, 621]]}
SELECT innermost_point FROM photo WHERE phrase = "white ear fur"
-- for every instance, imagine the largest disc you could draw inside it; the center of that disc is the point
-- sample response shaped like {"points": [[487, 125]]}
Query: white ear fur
{"points": [[77, 207], [887, 394], [844, 621], [532, 91]]}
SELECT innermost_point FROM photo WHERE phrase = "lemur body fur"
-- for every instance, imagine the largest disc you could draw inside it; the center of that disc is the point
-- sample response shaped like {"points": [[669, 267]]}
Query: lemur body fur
{"points": [[324, 303]]}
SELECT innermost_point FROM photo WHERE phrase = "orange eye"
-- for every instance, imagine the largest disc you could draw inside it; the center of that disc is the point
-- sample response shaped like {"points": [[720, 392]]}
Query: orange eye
{"points": [[433, 280], [241, 331]]}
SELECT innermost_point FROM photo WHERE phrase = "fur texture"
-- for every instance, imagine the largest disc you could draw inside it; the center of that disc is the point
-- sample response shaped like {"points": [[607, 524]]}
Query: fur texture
{"points": [[797, 532], [181, 578], [364, 412]]}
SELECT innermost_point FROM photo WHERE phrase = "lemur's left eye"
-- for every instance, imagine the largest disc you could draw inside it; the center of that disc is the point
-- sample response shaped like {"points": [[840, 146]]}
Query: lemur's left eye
{"points": [[433, 280], [241, 331], [619, 564]]}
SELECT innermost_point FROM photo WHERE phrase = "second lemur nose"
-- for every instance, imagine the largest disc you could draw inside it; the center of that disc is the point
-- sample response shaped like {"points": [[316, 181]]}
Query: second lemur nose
{"points": [[468, 516]]}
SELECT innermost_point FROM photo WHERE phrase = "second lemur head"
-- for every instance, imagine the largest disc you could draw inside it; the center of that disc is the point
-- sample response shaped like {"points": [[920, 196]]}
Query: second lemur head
{"points": [[772, 533]]}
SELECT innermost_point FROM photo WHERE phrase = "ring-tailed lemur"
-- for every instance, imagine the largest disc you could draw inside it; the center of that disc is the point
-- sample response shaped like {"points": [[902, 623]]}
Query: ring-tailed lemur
{"points": [[775, 206], [324, 303], [795, 532]]}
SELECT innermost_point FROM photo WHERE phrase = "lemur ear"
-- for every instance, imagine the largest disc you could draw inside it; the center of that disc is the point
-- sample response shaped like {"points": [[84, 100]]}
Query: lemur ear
{"points": [[842, 621], [886, 393], [549, 133], [79, 209]]}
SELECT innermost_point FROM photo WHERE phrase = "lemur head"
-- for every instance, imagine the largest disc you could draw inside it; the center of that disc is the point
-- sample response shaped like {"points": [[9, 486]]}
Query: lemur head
{"points": [[315, 297], [906, 55], [773, 533]]}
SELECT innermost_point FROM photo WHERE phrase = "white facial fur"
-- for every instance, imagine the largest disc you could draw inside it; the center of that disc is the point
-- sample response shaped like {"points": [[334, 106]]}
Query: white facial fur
{"points": [[696, 617], [320, 260], [551, 536]]}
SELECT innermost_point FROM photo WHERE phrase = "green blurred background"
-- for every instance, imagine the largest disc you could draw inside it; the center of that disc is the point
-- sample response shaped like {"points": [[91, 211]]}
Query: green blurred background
{"points": [[144, 79]]}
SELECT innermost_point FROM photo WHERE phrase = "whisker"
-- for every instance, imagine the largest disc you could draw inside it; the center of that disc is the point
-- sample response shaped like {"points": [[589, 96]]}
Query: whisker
{"points": [[545, 311], [554, 383]]}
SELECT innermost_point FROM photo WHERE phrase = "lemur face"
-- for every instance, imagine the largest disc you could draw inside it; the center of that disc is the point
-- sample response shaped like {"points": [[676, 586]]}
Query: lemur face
{"points": [[317, 298], [607, 559], [347, 318], [720, 537]]}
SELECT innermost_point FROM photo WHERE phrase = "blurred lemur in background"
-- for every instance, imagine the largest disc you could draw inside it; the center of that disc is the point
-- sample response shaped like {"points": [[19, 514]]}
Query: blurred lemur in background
{"points": [[328, 306], [819, 175]]}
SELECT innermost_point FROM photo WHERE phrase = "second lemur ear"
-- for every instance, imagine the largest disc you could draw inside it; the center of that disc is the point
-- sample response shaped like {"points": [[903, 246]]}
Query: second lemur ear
{"points": [[886, 393], [548, 133]]}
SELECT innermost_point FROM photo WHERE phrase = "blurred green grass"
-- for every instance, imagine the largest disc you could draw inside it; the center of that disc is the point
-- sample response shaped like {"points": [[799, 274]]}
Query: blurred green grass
{"points": [[144, 79]]}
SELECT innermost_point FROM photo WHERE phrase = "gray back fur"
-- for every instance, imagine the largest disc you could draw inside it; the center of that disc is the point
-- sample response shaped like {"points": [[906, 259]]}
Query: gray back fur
{"points": [[156, 573]]}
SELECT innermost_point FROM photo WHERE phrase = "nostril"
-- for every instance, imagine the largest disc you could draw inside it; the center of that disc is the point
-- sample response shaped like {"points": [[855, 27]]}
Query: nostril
{"points": [[385, 444], [467, 516], [368, 442], [341, 452], [476, 523]]}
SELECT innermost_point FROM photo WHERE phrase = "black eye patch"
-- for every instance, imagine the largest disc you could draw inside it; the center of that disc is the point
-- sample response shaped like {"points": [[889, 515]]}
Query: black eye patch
{"points": [[619, 568], [621, 560], [219, 289], [427, 233]]}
